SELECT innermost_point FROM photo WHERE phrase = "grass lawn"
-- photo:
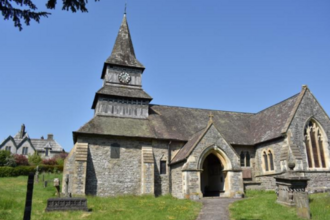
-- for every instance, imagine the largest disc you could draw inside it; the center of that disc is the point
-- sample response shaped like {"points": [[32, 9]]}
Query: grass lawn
{"points": [[261, 205], [13, 193]]}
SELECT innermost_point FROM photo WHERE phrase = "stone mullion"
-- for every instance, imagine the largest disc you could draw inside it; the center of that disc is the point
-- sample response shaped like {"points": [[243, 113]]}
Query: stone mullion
{"points": [[321, 144], [316, 131], [314, 147], [310, 147]]}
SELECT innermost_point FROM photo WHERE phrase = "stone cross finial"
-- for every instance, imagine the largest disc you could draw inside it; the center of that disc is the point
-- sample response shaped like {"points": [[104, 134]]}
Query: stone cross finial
{"points": [[211, 117]]}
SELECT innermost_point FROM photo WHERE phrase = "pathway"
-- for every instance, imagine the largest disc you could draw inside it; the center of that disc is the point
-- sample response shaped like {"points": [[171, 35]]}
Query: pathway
{"points": [[215, 208]]}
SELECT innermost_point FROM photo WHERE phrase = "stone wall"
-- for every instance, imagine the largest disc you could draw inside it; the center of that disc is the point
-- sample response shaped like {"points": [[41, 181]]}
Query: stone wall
{"points": [[213, 137], [108, 176], [212, 142], [160, 149], [318, 181], [69, 169], [30, 149], [12, 146], [309, 108], [176, 174], [275, 146]]}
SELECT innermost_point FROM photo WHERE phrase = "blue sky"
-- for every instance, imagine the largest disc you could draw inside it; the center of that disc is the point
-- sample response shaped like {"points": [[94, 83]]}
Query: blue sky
{"points": [[238, 55]]}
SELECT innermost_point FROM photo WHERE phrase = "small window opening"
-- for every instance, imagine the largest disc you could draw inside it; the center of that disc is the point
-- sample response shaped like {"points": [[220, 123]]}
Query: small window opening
{"points": [[115, 151], [162, 167]]}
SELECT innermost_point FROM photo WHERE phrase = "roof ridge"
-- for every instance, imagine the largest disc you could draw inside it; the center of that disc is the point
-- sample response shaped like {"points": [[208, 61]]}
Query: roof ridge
{"points": [[248, 113], [277, 103]]}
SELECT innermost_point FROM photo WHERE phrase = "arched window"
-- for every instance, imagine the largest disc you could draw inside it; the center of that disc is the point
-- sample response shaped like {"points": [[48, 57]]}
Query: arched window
{"points": [[265, 161], [314, 142], [271, 160], [242, 159]]}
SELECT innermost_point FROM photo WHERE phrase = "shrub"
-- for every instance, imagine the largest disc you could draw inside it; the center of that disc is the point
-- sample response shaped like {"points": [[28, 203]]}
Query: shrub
{"points": [[21, 160], [4, 154], [10, 161], [15, 171], [60, 158], [34, 159], [51, 161], [25, 170]]}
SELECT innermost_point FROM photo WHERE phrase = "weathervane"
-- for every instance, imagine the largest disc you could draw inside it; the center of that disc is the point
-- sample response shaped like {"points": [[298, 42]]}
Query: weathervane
{"points": [[125, 8]]}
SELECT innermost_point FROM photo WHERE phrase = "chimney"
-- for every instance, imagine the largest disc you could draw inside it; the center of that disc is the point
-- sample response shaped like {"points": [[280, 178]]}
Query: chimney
{"points": [[50, 137], [42, 137], [22, 132]]}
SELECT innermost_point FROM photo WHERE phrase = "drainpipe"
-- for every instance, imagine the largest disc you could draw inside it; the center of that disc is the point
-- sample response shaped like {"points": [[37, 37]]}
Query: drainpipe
{"points": [[169, 168]]}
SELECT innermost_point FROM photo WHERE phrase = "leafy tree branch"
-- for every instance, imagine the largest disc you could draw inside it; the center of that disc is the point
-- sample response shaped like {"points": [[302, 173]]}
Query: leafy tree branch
{"points": [[26, 10]]}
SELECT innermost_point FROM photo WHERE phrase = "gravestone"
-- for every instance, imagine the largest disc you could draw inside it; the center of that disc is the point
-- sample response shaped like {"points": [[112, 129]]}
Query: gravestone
{"points": [[57, 186], [291, 191], [67, 203], [28, 201], [67, 185], [302, 205], [37, 175]]}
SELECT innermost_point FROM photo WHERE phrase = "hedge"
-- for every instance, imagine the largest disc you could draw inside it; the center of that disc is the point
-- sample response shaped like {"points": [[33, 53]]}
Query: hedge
{"points": [[25, 170]]}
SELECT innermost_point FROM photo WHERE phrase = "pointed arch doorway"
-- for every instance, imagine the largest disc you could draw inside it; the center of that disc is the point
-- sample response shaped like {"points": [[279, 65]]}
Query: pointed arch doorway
{"points": [[213, 176]]}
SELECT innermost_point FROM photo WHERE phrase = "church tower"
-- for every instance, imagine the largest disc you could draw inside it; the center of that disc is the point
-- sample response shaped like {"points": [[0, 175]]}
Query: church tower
{"points": [[122, 94]]}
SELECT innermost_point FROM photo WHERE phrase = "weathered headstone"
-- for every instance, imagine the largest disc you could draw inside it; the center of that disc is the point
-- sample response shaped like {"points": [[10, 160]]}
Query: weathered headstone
{"points": [[302, 204], [29, 194], [288, 185], [57, 186], [68, 203], [37, 175], [67, 185]]}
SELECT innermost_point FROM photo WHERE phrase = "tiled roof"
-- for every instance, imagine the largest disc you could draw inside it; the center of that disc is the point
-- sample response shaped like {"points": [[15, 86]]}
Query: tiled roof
{"points": [[40, 144], [185, 124]]}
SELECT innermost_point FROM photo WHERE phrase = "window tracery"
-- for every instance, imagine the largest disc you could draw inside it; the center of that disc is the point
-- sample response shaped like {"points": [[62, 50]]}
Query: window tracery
{"points": [[268, 160], [314, 143]]}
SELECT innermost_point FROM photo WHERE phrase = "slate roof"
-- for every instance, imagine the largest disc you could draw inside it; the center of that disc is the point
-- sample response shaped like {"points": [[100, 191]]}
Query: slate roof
{"points": [[41, 144], [179, 123], [37, 144], [268, 124], [121, 91], [186, 149]]}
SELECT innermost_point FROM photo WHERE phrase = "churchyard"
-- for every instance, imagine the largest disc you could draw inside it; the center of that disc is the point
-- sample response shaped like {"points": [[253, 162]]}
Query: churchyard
{"points": [[257, 205], [13, 193]]}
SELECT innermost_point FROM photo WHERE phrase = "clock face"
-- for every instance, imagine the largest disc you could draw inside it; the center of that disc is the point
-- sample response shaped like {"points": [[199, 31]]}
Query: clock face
{"points": [[124, 77]]}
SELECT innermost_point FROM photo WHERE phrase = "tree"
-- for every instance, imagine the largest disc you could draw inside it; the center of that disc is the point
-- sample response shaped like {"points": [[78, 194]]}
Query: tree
{"points": [[34, 159], [16, 12], [4, 154]]}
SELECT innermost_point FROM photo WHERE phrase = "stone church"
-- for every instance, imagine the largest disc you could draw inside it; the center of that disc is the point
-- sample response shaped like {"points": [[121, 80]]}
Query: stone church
{"points": [[133, 147]]}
